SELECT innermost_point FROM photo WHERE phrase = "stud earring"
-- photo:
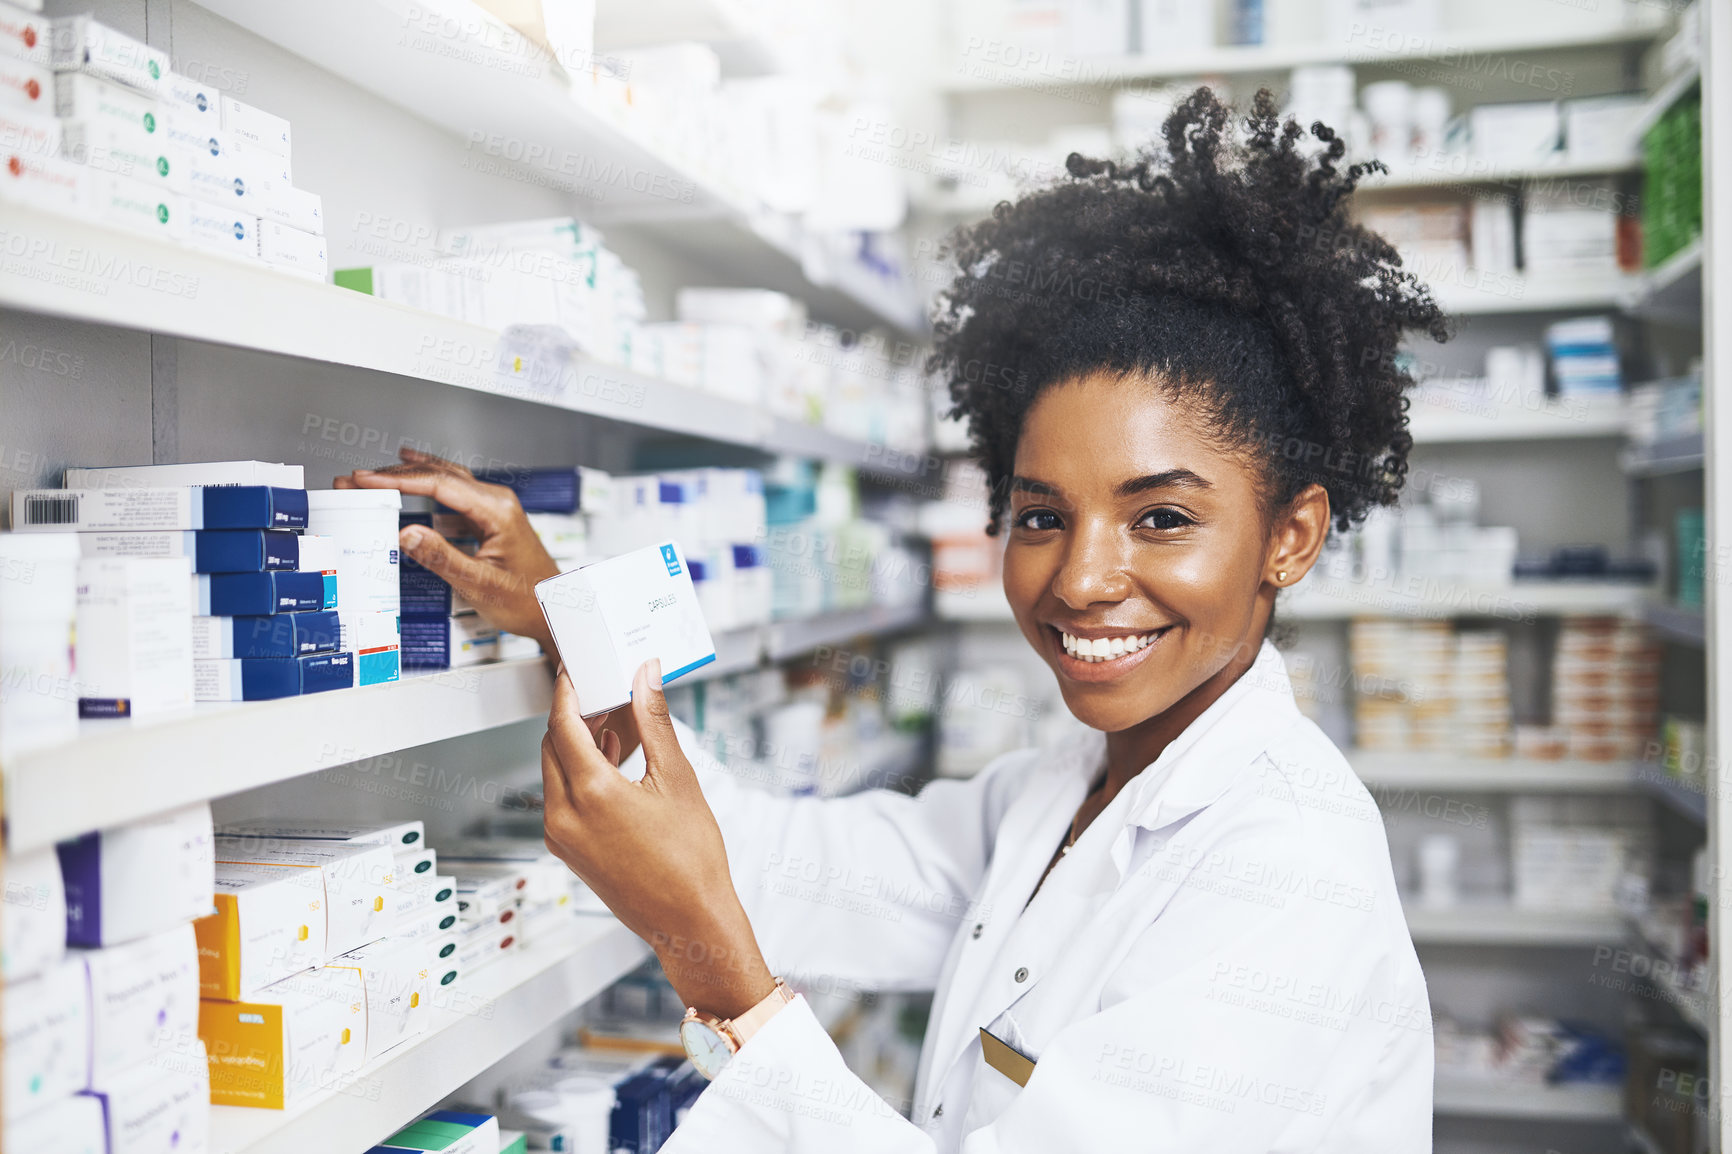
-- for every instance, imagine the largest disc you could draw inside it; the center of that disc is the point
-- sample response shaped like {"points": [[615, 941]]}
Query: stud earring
{"points": [[1281, 576]]}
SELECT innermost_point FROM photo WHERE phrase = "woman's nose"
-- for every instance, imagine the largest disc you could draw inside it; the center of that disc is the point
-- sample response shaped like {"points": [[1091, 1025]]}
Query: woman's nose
{"points": [[1094, 570]]}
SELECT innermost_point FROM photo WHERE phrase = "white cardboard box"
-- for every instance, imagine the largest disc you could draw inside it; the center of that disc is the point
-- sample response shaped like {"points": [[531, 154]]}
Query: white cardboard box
{"points": [[25, 87], [223, 229], [256, 126], [46, 1025], [28, 36], [70, 1126], [130, 881], [298, 1036], [163, 1105], [83, 44], [33, 920], [612, 616], [143, 1001], [289, 248], [134, 636]]}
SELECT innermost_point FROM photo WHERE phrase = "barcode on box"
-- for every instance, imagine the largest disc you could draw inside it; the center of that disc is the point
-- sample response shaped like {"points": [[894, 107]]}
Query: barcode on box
{"points": [[51, 510]]}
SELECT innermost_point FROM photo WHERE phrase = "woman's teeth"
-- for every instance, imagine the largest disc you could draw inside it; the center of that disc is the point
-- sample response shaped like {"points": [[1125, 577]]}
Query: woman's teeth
{"points": [[1105, 648]]}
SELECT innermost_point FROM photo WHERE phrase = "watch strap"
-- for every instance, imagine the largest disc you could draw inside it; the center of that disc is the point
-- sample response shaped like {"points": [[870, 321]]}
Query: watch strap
{"points": [[743, 1027]]}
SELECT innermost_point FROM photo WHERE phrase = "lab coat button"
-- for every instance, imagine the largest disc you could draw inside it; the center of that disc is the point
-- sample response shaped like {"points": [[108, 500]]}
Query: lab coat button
{"points": [[978, 926], [938, 1113], [1021, 973]]}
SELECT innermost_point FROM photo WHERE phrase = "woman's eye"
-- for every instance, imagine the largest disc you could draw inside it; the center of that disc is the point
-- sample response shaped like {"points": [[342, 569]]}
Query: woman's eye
{"points": [[1039, 520], [1164, 519]]}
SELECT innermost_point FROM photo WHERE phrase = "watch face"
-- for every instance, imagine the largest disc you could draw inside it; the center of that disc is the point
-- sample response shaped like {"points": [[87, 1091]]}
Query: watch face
{"points": [[705, 1046]]}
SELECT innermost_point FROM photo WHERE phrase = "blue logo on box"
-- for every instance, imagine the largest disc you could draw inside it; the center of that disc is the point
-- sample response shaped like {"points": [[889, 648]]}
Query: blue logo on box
{"points": [[673, 560]]}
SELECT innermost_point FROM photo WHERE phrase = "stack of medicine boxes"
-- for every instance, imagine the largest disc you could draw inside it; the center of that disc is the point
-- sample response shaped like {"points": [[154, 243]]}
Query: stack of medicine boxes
{"points": [[327, 948], [198, 582], [101, 1043], [442, 630], [96, 124]]}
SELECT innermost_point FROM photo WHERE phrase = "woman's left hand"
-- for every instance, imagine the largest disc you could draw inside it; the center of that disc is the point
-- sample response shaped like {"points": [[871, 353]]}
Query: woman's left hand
{"points": [[651, 849]]}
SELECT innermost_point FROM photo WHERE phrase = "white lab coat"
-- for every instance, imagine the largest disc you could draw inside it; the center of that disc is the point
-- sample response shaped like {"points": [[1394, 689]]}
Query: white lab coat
{"points": [[1220, 963]]}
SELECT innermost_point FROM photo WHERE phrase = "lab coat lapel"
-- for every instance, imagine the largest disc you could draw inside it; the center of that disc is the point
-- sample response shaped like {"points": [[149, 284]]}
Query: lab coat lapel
{"points": [[1031, 830]]}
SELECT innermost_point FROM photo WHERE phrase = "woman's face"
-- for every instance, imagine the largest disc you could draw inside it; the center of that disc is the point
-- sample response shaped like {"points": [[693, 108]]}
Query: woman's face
{"points": [[1138, 551]]}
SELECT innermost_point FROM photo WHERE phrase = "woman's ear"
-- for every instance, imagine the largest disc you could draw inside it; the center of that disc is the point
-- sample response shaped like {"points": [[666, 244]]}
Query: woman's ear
{"points": [[1297, 537]]}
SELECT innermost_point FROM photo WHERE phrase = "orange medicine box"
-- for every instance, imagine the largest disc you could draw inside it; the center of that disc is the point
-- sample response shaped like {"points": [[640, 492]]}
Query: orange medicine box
{"points": [[301, 1035], [269, 923], [285, 906]]}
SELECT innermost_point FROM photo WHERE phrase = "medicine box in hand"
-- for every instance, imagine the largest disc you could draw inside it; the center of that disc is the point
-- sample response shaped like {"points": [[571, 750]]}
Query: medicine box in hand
{"points": [[610, 617]]}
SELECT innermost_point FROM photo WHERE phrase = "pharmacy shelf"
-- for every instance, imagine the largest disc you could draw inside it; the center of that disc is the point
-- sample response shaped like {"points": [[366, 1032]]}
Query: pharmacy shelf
{"points": [[1675, 455], [739, 37], [475, 1024], [1444, 771], [1662, 98], [788, 639], [103, 276], [1328, 599], [1684, 624], [1486, 924], [1439, 418], [1672, 291], [1503, 1098], [986, 603], [1452, 171], [120, 770], [1513, 293], [515, 111], [1072, 74], [1456, 169], [1696, 1007], [1689, 800]]}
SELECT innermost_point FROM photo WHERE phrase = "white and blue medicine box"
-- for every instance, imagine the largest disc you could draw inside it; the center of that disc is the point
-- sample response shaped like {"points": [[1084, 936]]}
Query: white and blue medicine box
{"points": [[267, 635], [179, 507], [267, 678], [610, 617], [221, 550], [256, 594]]}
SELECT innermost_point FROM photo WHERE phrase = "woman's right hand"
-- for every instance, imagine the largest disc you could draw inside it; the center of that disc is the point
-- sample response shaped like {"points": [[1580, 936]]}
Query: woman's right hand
{"points": [[500, 578]]}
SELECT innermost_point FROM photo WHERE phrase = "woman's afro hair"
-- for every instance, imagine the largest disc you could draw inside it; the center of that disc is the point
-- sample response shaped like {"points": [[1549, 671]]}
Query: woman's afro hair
{"points": [[1222, 268]]}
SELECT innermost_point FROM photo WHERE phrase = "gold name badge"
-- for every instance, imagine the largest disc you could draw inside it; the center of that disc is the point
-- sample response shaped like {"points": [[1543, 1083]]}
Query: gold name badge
{"points": [[1001, 1056]]}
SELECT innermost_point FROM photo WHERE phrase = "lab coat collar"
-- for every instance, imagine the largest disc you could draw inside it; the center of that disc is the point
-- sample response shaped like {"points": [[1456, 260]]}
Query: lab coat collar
{"points": [[1202, 762], [1199, 766]]}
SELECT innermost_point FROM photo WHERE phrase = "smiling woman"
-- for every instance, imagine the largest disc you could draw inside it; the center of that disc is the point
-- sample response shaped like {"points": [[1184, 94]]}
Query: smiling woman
{"points": [[1178, 930]]}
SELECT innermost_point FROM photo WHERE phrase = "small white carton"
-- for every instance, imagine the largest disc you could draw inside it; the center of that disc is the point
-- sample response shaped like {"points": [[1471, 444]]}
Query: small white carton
{"points": [[33, 920], [27, 36], [131, 881], [45, 1023], [162, 1105], [256, 126], [134, 635], [292, 250], [84, 44], [26, 87], [610, 617], [143, 1001], [70, 1126]]}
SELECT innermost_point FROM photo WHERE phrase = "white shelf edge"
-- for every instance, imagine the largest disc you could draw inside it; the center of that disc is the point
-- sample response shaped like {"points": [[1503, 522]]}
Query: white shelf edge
{"points": [[1504, 924], [1473, 1098], [1447, 771], [1574, 418], [252, 307], [1411, 178], [1086, 72], [476, 1023], [788, 639], [121, 770], [1334, 600]]}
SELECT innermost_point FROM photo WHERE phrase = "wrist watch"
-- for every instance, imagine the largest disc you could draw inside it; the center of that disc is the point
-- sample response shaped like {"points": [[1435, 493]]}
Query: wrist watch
{"points": [[711, 1041]]}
